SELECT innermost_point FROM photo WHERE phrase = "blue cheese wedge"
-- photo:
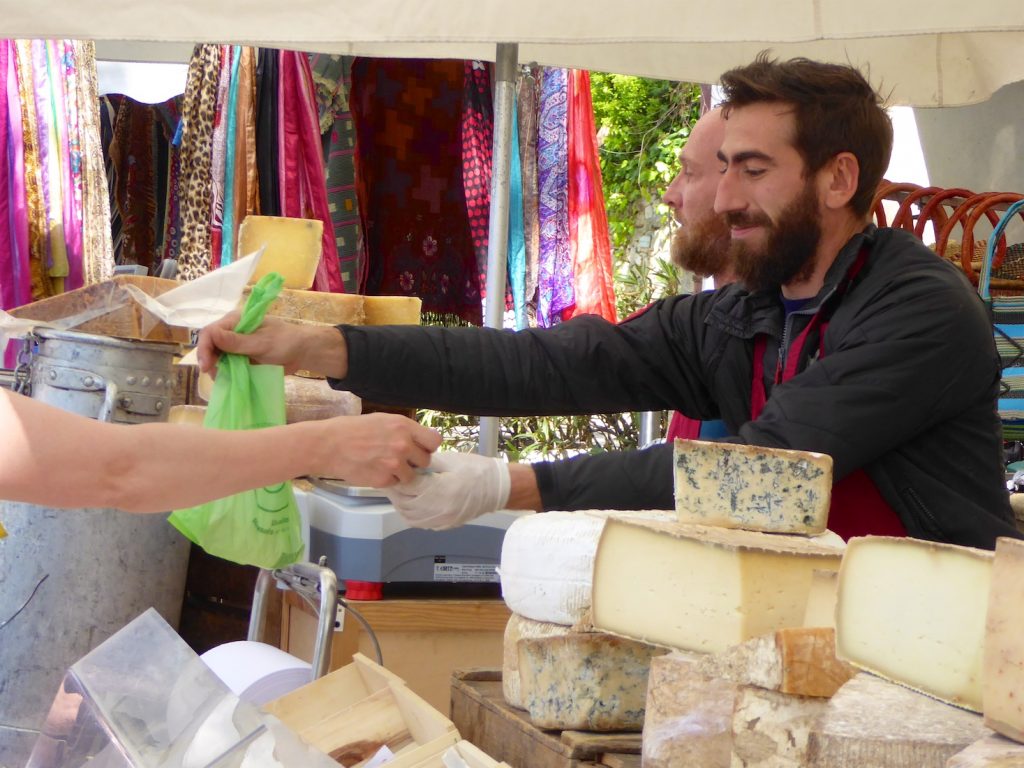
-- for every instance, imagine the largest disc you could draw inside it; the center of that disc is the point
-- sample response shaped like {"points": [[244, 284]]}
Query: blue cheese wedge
{"points": [[585, 681], [750, 487]]}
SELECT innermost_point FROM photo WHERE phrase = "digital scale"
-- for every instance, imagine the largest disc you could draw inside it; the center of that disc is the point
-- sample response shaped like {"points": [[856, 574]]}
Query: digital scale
{"points": [[368, 544]]}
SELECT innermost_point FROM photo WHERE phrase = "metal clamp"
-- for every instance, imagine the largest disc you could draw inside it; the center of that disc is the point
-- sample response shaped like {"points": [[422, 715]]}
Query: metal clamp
{"points": [[317, 584], [23, 369]]}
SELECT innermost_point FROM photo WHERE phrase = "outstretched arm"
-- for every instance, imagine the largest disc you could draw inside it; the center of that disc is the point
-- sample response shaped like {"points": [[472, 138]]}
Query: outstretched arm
{"points": [[55, 458]]}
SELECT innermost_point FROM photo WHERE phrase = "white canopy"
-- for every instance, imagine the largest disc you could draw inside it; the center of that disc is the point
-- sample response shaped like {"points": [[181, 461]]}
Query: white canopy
{"points": [[939, 53]]}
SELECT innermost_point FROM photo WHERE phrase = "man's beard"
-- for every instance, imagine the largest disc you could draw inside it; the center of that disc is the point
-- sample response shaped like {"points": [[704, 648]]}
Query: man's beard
{"points": [[702, 247], [788, 250]]}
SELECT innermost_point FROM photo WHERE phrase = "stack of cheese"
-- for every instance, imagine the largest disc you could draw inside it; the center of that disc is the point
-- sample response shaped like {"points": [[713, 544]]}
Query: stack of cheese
{"points": [[744, 585], [738, 560], [555, 665], [938, 619]]}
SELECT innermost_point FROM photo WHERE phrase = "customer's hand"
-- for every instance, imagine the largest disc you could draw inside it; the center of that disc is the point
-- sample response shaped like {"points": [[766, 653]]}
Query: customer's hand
{"points": [[375, 450], [458, 488]]}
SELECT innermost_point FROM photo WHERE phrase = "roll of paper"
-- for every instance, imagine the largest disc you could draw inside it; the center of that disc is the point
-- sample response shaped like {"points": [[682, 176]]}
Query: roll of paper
{"points": [[257, 672]]}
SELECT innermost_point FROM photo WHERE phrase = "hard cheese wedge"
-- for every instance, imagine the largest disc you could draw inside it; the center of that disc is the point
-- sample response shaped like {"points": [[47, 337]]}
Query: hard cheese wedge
{"points": [[991, 752], [392, 310], [871, 722], [292, 247], [701, 588], [585, 681], [800, 661], [747, 486], [521, 628], [821, 602], [914, 612], [1003, 666]]}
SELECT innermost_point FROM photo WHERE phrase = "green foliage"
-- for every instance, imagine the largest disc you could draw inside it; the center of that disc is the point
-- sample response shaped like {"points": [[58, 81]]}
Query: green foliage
{"points": [[642, 125]]}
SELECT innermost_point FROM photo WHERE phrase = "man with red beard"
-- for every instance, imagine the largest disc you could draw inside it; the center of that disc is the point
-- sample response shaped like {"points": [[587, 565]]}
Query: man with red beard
{"points": [[838, 337]]}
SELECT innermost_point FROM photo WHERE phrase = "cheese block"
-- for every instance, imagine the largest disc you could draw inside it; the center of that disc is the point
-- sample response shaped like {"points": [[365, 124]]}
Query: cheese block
{"points": [[748, 486], [701, 588], [772, 729], [292, 247], [308, 399], [585, 681], [800, 661], [520, 628], [914, 612], [993, 751], [392, 310], [315, 307], [873, 723], [688, 718], [547, 564], [1003, 661], [821, 601]]}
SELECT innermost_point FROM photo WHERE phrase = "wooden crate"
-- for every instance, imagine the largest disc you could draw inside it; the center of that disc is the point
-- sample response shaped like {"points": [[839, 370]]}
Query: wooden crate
{"points": [[127, 319], [351, 713], [471, 755], [481, 715]]}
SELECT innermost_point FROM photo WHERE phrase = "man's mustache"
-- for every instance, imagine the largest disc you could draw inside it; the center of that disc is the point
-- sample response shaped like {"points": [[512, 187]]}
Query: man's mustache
{"points": [[741, 219]]}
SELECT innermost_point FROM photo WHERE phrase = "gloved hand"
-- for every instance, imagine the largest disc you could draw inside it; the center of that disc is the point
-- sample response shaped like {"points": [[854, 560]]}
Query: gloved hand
{"points": [[458, 488]]}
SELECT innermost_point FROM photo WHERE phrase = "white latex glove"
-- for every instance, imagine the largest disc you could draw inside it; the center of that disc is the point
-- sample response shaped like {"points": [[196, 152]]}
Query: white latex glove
{"points": [[459, 487]]}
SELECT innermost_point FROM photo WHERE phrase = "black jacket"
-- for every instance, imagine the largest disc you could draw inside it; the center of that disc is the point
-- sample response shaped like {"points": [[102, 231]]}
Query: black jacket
{"points": [[906, 387]]}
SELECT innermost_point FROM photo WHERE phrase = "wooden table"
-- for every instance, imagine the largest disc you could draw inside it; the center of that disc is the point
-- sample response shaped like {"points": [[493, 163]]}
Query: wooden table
{"points": [[481, 715]]}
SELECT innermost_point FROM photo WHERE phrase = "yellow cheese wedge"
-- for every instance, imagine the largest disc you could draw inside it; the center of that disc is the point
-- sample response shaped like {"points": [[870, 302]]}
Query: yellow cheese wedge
{"points": [[1003, 665], [292, 247], [392, 310], [702, 588], [913, 612]]}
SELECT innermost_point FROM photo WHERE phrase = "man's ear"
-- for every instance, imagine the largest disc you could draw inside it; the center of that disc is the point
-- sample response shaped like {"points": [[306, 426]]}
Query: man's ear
{"points": [[839, 180]]}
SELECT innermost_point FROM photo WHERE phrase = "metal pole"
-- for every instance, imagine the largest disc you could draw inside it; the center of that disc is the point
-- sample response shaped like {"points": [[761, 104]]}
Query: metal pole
{"points": [[649, 424], [506, 61]]}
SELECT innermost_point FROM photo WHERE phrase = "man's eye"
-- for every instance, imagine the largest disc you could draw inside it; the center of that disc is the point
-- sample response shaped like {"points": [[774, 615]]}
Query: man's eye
{"points": [[754, 172]]}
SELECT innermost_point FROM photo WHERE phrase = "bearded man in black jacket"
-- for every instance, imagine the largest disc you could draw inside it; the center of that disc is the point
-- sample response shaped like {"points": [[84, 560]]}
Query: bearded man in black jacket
{"points": [[839, 338]]}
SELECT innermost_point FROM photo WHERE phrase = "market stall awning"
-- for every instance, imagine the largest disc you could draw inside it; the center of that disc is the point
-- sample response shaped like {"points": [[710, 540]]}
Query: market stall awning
{"points": [[942, 53]]}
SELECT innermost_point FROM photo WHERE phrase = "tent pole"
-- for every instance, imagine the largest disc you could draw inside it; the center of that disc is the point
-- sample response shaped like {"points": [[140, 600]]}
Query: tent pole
{"points": [[506, 62]]}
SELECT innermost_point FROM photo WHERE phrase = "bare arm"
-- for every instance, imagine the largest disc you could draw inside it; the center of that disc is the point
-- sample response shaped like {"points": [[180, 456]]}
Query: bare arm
{"points": [[54, 458]]}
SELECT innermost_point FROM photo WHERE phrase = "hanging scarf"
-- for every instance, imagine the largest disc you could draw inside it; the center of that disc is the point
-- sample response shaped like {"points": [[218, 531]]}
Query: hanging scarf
{"points": [[332, 75], [97, 247], [35, 206], [230, 223], [409, 172], [516, 241], [588, 223], [71, 161], [245, 197], [554, 273], [301, 164], [267, 147], [529, 116], [196, 180], [219, 158], [477, 148]]}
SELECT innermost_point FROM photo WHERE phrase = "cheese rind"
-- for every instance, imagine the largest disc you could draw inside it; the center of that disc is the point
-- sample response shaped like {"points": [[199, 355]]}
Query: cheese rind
{"points": [[392, 310], [688, 718], [701, 588], [547, 566], [993, 751], [585, 681], [292, 247], [772, 729], [1003, 664], [799, 661], [520, 628], [871, 722], [751, 487], [914, 612]]}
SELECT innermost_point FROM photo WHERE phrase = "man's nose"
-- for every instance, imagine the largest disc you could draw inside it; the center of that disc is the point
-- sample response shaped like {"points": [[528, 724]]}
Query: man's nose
{"points": [[673, 196], [726, 197]]}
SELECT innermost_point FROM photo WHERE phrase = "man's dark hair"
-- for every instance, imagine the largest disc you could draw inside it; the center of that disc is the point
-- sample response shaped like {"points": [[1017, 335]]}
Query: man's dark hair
{"points": [[835, 110]]}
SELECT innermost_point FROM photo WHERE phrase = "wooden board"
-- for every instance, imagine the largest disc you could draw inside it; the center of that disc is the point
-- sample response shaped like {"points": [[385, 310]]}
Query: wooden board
{"points": [[481, 715]]}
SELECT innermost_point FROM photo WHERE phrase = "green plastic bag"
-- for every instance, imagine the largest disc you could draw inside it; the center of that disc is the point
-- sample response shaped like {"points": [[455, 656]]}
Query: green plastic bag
{"points": [[258, 527]]}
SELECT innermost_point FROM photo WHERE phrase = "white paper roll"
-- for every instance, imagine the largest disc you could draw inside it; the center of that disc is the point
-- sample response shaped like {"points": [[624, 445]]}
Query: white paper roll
{"points": [[257, 672]]}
